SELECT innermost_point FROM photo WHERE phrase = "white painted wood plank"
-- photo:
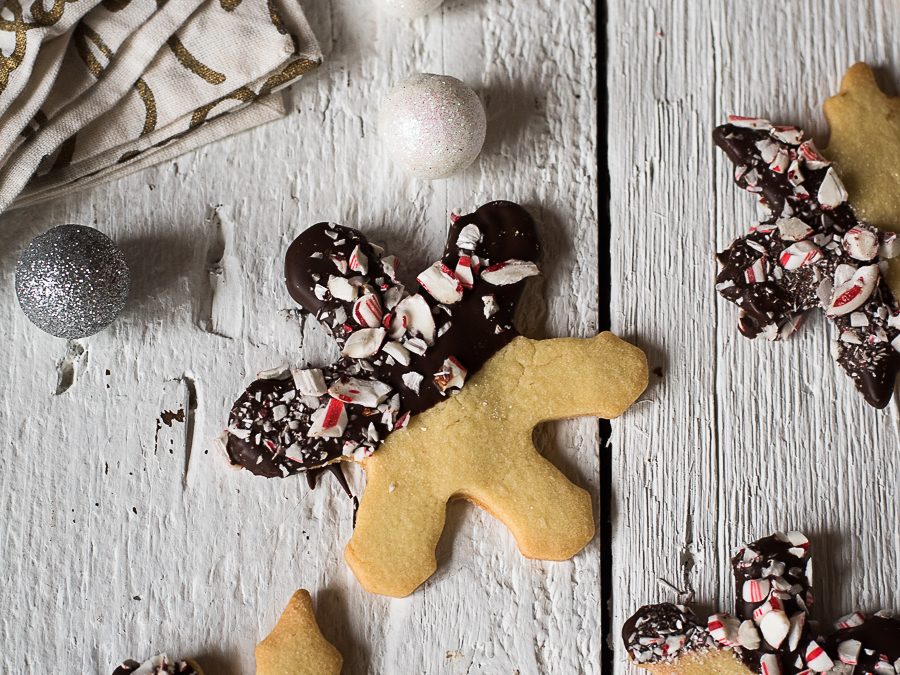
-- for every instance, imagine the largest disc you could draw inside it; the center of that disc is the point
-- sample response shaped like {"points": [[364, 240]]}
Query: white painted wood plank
{"points": [[741, 437], [109, 549]]}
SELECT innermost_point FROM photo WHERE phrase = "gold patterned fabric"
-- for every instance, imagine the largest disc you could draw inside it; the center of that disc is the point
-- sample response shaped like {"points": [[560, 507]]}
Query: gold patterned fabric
{"points": [[93, 89]]}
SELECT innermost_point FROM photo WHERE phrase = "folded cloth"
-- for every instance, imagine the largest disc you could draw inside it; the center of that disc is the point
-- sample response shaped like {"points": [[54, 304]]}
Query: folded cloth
{"points": [[91, 90]]}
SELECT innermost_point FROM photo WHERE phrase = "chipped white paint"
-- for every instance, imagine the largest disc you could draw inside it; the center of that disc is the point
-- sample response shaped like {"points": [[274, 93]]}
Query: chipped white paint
{"points": [[738, 437], [118, 542]]}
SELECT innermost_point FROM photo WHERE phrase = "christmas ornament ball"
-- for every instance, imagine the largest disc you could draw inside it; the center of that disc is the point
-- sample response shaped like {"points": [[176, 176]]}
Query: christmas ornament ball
{"points": [[409, 9], [432, 125], [72, 281]]}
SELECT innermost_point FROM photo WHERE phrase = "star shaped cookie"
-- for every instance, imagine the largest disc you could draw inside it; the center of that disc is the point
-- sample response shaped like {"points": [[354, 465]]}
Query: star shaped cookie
{"points": [[865, 146], [296, 646]]}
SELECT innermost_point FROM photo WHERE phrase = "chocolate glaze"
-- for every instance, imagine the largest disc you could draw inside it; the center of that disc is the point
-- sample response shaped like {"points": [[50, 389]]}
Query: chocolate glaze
{"points": [[880, 638], [165, 668], [775, 305], [465, 332], [664, 632], [761, 560]]}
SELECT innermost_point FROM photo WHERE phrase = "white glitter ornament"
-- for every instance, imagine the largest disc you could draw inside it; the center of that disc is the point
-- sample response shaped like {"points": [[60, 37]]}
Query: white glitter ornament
{"points": [[72, 281], [409, 9], [432, 125]]}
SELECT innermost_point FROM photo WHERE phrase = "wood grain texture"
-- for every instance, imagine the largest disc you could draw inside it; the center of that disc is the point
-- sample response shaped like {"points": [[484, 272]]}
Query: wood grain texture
{"points": [[739, 437], [125, 534]]}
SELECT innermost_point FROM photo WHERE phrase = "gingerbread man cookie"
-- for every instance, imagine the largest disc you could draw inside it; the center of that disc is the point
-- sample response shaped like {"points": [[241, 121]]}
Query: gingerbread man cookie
{"points": [[809, 250], [438, 382], [296, 646], [865, 145], [771, 632]]}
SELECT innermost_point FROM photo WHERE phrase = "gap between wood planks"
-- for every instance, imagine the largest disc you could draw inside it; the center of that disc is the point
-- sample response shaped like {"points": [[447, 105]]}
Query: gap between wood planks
{"points": [[604, 236]]}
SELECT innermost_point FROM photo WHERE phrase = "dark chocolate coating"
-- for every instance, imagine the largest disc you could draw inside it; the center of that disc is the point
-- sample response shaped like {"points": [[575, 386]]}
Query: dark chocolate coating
{"points": [[665, 631], [752, 562], [171, 668], [465, 333], [778, 303], [880, 637]]}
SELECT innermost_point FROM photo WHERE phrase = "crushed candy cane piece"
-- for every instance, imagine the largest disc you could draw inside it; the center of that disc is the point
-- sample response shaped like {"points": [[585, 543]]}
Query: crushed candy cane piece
{"points": [[413, 380], [817, 659], [853, 293], [451, 376], [755, 590], [748, 635], [861, 244], [397, 351], [342, 289], [309, 381], [441, 283], [793, 229], [831, 192], [756, 273], [359, 262], [490, 306], [774, 627], [367, 311], [364, 343], [367, 393], [469, 237], [848, 651], [724, 629], [769, 665], [413, 315], [329, 421], [463, 271], [749, 122], [509, 272], [799, 254]]}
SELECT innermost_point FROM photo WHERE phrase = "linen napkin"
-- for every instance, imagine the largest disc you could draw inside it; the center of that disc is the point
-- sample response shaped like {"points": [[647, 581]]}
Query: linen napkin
{"points": [[91, 90]]}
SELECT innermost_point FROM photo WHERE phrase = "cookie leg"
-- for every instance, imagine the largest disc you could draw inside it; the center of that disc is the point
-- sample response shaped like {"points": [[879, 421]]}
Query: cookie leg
{"points": [[400, 519], [550, 517]]}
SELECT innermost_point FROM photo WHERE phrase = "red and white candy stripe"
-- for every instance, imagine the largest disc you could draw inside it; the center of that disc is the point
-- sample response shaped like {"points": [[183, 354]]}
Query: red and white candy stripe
{"points": [[329, 421], [851, 621], [854, 293], [749, 122], [848, 651], [441, 283], [463, 271], [817, 659], [509, 272], [724, 629], [769, 664], [359, 262], [799, 254], [756, 273], [756, 590], [367, 311]]}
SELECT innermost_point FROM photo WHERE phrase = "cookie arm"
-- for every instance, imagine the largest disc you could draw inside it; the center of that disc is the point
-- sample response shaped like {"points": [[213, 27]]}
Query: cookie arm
{"points": [[571, 377], [399, 522], [550, 517]]}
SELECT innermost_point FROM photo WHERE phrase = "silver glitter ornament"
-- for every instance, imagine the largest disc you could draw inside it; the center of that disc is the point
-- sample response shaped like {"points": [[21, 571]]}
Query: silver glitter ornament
{"points": [[432, 125], [72, 281]]}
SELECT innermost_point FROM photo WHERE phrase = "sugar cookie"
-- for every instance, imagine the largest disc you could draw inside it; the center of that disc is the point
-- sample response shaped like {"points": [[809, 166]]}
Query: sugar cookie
{"points": [[296, 646], [865, 146], [434, 394], [478, 446], [809, 250]]}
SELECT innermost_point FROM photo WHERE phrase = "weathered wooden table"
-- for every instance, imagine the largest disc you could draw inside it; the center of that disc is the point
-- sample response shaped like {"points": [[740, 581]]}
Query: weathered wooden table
{"points": [[125, 533]]}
